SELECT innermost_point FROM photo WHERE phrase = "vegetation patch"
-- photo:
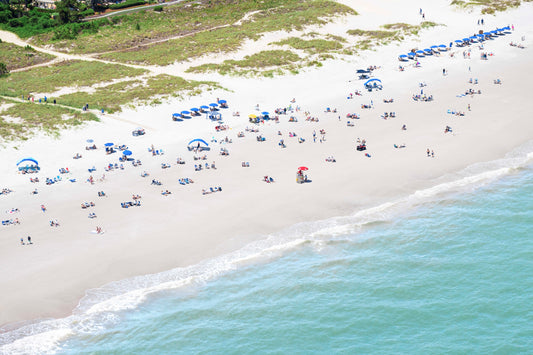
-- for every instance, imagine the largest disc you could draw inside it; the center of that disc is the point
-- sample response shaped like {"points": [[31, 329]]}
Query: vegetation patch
{"points": [[391, 32], [199, 37], [22, 119], [65, 74], [113, 97], [490, 6], [16, 57], [312, 46], [252, 64]]}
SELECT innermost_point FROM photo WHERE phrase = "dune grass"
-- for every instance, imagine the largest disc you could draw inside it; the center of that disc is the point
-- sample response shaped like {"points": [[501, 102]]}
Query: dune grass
{"points": [[490, 6], [16, 57], [252, 64], [113, 97], [272, 15], [23, 119], [311, 46], [390, 33], [65, 74]]}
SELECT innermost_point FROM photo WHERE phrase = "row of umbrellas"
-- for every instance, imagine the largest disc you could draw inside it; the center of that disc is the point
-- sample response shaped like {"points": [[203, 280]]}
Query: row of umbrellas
{"points": [[195, 109], [459, 42], [264, 114]]}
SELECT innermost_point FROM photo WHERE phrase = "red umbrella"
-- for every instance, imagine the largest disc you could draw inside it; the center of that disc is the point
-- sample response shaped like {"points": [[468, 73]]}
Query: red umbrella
{"points": [[303, 168]]}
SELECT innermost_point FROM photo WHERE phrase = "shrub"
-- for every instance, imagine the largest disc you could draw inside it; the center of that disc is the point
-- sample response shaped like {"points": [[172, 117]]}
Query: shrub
{"points": [[158, 8], [127, 3]]}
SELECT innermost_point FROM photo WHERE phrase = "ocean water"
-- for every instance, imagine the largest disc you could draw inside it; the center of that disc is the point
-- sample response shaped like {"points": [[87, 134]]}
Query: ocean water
{"points": [[445, 270]]}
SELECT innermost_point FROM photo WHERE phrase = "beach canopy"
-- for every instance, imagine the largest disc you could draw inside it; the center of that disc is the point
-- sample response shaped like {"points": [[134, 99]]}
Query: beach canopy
{"points": [[109, 144], [213, 104], [127, 152], [252, 115], [204, 106], [194, 109], [28, 159], [432, 47], [264, 113], [458, 41], [89, 141], [420, 51], [185, 112], [506, 28], [176, 115], [427, 50], [403, 56], [198, 140], [303, 168], [371, 80], [222, 101], [466, 39]]}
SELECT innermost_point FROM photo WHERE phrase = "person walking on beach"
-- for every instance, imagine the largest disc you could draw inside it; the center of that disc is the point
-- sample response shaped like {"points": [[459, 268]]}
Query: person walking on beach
{"points": [[29, 240], [21, 241]]}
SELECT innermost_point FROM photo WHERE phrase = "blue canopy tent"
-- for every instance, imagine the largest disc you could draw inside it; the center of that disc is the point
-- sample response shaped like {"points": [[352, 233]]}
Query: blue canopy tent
{"points": [[109, 144], [127, 152], [458, 42], [411, 55], [199, 141], [466, 40], [264, 113], [506, 28], [434, 48], [373, 84], [403, 57], [213, 104], [28, 159], [204, 107], [222, 101], [185, 113], [428, 51], [442, 47], [419, 53], [176, 117], [194, 109]]}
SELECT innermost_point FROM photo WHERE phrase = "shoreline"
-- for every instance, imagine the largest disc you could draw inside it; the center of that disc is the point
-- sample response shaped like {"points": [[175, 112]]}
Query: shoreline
{"points": [[249, 209]]}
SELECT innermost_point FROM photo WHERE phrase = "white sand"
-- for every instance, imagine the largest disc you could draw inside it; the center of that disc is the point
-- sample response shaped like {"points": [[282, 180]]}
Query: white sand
{"points": [[48, 278]]}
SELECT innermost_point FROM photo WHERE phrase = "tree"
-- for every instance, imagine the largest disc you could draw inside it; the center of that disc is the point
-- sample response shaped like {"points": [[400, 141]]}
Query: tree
{"points": [[3, 69], [69, 11]]}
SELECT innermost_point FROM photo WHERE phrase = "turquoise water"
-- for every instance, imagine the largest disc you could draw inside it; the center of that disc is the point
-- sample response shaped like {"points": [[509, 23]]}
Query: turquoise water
{"points": [[445, 270], [454, 275]]}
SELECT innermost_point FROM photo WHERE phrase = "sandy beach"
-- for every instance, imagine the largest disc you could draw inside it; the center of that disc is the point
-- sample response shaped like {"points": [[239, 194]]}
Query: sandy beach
{"points": [[48, 278]]}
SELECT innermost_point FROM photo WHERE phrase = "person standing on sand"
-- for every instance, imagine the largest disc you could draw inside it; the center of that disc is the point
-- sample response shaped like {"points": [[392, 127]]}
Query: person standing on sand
{"points": [[21, 241], [29, 240]]}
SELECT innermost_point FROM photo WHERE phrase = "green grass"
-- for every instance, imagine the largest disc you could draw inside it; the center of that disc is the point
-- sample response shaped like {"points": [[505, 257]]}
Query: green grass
{"points": [[252, 64], [16, 57], [65, 74], [490, 6], [274, 15], [312, 46], [113, 97], [391, 32], [23, 119]]}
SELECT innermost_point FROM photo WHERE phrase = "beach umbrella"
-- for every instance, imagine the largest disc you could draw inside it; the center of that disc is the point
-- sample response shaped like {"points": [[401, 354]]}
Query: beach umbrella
{"points": [[264, 113], [89, 141], [434, 47], [466, 39], [222, 101], [28, 159], [442, 47], [176, 115], [403, 56], [371, 80], [427, 51], [458, 41], [204, 107], [252, 115], [506, 28], [185, 112], [303, 168], [127, 152], [198, 140], [109, 144], [213, 104], [194, 109]]}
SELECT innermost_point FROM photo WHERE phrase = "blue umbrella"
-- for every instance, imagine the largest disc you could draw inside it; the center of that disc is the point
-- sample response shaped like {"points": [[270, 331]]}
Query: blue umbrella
{"points": [[127, 152], [222, 101], [109, 144], [458, 41], [403, 56], [89, 141], [371, 80], [194, 109], [442, 46], [176, 115], [213, 104], [264, 113], [28, 159], [204, 106], [506, 28], [185, 112], [466, 39], [427, 50], [433, 47], [198, 140]]}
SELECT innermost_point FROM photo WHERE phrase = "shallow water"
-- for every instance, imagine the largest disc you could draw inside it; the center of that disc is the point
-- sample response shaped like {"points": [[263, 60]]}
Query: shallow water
{"points": [[450, 276]]}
